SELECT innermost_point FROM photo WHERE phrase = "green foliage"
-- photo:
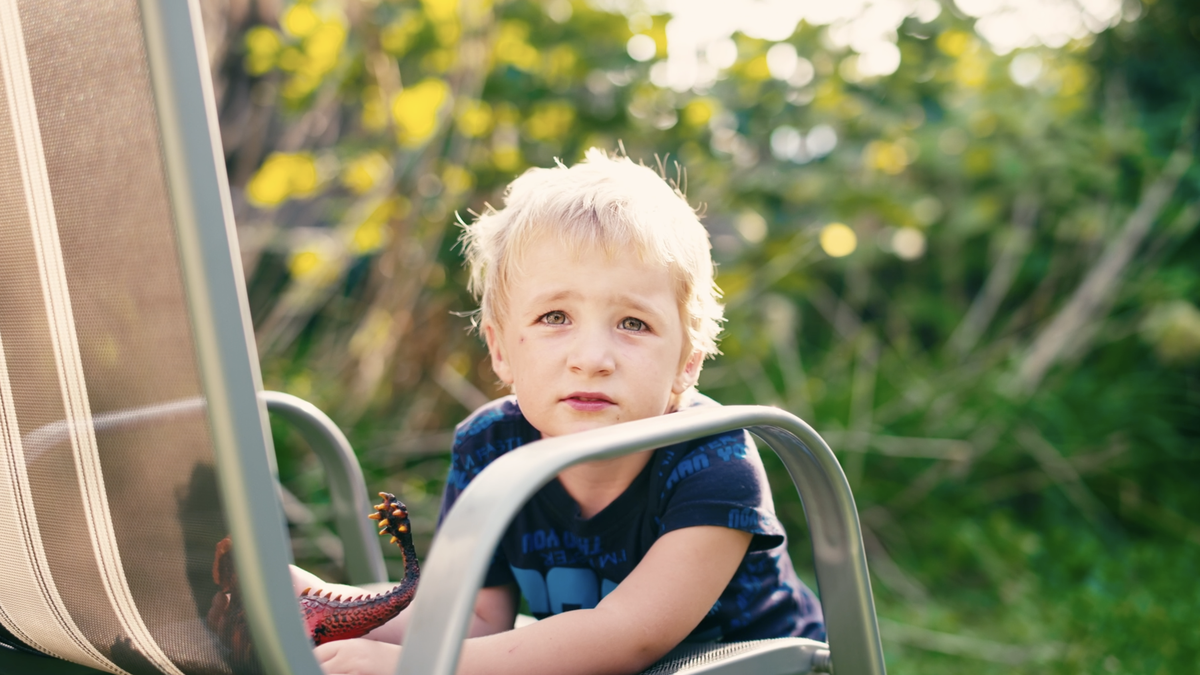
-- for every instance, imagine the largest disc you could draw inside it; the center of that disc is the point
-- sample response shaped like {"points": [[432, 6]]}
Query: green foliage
{"points": [[1007, 360]]}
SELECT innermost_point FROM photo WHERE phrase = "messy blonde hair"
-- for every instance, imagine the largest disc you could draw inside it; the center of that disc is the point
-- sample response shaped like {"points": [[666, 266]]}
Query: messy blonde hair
{"points": [[603, 203]]}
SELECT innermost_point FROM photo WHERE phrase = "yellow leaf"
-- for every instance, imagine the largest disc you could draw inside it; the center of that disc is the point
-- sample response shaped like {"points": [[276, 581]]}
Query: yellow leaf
{"points": [[757, 68], [299, 20], [441, 10], [550, 120], [1074, 79], [303, 264], [457, 179], [474, 118], [282, 175], [366, 172], [415, 111], [324, 45], [953, 42], [698, 112], [368, 237], [890, 158], [559, 64], [300, 85], [262, 47], [512, 46], [506, 158], [397, 37]]}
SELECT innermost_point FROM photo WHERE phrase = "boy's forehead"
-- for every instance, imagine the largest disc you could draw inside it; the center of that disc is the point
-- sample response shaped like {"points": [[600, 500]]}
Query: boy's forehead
{"points": [[545, 244]]}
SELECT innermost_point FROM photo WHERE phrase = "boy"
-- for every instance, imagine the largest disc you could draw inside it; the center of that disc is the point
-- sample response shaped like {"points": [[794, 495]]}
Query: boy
{"points": [[598, 307]]}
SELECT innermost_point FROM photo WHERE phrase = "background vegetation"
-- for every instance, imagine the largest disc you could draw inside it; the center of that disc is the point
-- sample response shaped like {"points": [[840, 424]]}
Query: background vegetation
{"points": [[976, 276]]}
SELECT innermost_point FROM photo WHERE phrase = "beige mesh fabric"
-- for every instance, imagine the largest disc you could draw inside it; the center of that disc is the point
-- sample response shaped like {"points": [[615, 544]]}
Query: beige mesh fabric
{"points": [[781, 656], [109, 511]]}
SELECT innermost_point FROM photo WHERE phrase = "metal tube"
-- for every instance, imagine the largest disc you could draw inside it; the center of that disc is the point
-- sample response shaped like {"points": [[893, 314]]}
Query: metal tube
{"points": [[347, 489], [463, 547], [225, 352]]}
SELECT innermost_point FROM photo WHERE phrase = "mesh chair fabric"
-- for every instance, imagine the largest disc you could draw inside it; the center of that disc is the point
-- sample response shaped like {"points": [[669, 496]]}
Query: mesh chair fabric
{"points": [[107, 531], [783, 656]]}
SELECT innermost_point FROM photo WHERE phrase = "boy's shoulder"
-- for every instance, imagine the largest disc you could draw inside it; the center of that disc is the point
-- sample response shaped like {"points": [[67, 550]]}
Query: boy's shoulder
{"points": [[492, 430], [502, 411]]}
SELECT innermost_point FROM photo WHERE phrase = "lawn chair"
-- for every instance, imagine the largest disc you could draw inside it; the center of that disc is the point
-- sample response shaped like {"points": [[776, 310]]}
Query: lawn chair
{"points": [[133, 425]]}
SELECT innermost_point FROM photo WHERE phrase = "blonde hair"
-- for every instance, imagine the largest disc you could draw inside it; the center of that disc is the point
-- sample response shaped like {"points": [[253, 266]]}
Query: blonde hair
{"points": [[603, 203]]}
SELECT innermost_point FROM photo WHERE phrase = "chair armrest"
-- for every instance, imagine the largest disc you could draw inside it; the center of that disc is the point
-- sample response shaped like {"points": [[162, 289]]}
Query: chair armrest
{"points": [[347, 489], [458, 559]]}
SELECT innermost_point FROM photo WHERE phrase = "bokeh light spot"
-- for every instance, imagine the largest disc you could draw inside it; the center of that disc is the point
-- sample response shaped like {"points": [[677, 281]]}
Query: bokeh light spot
{"points": [[908, 243], [752, 226], [641, 47], [838, 240], [1025, 68]]}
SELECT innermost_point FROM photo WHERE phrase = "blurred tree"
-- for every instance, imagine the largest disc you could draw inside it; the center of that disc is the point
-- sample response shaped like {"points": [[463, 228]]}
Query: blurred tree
{"points": [[975, 273]]}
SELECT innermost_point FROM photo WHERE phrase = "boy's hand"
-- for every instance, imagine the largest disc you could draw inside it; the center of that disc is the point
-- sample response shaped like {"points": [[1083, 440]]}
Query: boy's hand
{"points": [[358, 657]]}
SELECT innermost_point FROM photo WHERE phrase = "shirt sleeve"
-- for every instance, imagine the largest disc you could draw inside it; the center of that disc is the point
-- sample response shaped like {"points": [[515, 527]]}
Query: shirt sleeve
{"points": [[721, 481], [475, 445]]}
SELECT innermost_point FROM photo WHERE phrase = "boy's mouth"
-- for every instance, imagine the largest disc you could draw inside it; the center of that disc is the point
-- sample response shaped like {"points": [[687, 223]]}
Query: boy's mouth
{"points": [[587, 401]]}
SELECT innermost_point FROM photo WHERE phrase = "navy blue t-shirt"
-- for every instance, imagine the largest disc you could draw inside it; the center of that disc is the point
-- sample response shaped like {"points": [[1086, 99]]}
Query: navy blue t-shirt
{"points": [[562, 562]]}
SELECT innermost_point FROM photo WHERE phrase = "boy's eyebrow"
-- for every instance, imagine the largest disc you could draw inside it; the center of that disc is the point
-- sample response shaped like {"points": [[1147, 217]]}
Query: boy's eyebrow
{"points": [[542, 298], [637, 304]]}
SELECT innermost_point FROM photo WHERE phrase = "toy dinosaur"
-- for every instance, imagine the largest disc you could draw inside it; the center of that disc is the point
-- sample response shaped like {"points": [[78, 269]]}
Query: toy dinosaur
{"points": [[326, 617]]}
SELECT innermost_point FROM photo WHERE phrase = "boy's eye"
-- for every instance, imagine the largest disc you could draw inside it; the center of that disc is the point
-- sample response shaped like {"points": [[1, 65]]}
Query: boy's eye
{"points": [[555, 318], [630, 323]]}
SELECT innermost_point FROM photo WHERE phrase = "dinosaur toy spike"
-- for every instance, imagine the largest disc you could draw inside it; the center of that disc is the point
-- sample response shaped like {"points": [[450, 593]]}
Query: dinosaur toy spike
{"points": [[375, 516], [380, 507], [305, 591], [394, 540]]}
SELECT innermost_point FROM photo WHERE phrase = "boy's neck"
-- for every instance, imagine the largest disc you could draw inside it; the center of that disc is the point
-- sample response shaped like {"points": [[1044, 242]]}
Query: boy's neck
{"points": [[594, 485]]}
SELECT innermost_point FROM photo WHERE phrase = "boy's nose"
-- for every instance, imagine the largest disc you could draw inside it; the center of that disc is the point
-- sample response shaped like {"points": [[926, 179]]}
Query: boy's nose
{"points": [[592, 354]]}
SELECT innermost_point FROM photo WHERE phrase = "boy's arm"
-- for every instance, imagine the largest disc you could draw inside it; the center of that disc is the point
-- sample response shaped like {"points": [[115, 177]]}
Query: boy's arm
{"points": [[650, 612], [495, 611]]}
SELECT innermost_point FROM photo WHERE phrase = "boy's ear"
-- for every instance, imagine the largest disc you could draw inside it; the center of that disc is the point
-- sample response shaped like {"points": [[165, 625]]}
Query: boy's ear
{"points": [[689, 372], [499, 363]]}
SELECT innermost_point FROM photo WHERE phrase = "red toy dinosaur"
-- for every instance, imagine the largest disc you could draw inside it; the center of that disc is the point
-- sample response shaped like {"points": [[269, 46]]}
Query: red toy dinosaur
{"points": [[326, 617]]}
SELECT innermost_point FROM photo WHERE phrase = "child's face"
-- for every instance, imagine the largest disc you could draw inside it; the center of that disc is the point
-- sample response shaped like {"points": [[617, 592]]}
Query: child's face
{"points": [[588, 340]]}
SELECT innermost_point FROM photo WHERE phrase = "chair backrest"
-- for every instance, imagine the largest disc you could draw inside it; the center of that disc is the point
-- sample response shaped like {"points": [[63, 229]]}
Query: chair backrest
{"points": [[121, 293]]}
